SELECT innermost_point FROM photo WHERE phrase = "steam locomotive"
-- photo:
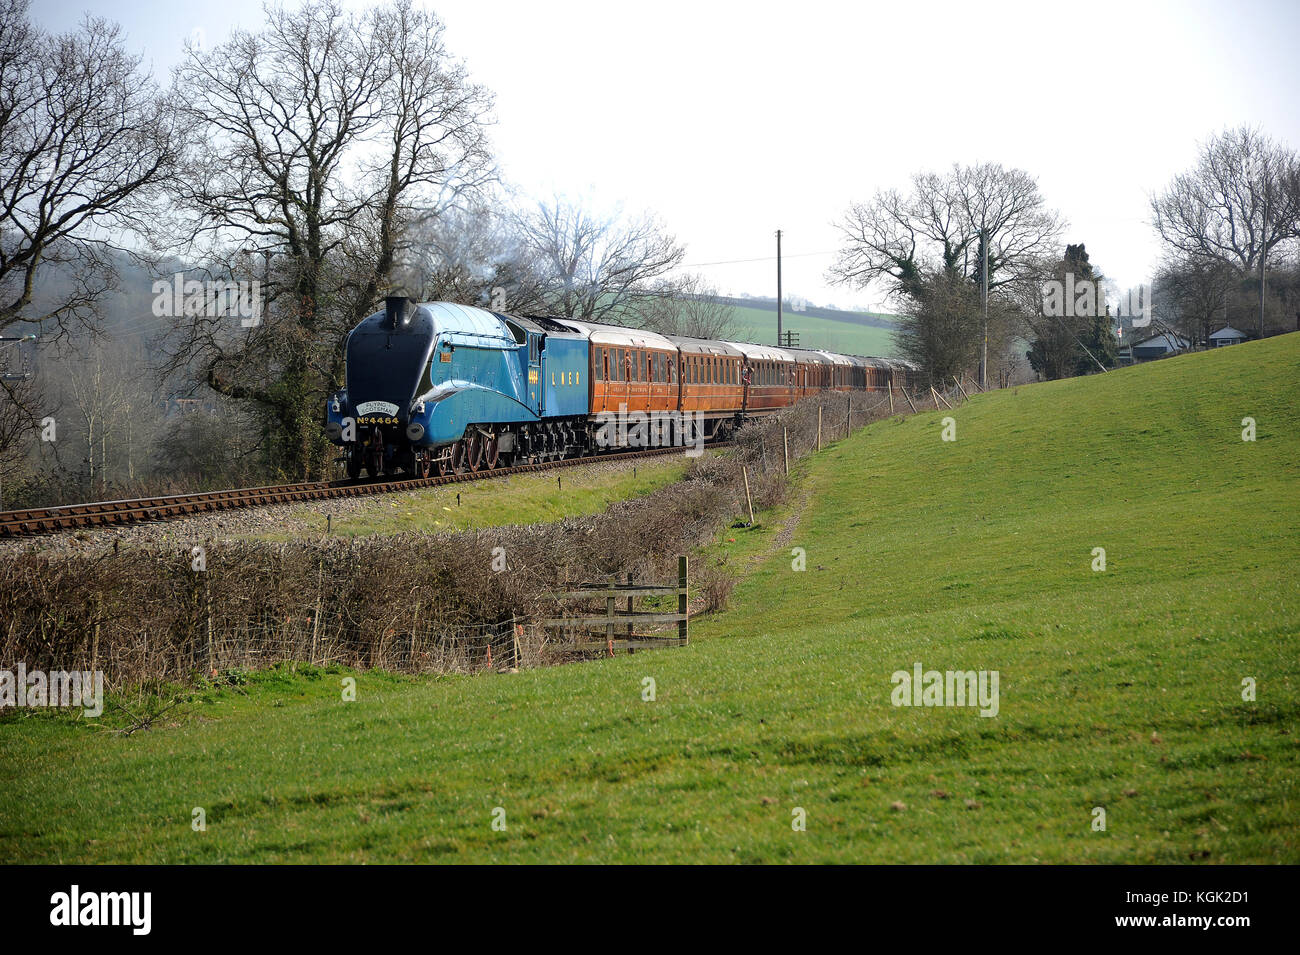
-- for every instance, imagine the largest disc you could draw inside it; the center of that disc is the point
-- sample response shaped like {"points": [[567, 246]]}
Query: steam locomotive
{"points": [[438, 388]]}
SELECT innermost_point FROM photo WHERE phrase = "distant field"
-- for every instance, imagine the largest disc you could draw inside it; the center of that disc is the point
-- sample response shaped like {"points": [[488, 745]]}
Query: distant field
{"points": [[759, 325], [1120, 689]]}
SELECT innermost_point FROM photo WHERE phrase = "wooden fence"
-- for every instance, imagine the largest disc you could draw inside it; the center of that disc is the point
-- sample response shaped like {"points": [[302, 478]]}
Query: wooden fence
{"points": [[625, 627]]}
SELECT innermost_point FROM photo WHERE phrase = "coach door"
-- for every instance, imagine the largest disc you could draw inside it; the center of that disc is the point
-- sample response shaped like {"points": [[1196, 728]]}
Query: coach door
{"points": [[536, 393]]}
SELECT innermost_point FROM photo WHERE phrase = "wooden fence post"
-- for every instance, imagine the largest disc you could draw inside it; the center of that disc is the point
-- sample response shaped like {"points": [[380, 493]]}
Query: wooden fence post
{"points": [[207, 600], [630, 580], [748, 500], [94, 647], [683, 625], [890, 386], [609, 612]]}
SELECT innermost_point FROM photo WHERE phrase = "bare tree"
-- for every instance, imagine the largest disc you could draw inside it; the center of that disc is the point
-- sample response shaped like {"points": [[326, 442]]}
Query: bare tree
{"points": [[898, 238], [688, 306], [22, 403], [85, 140], [1238, 206], [1241, 201], [475, 257], [596, 267], [318, 141], [921, 244], [1194, 292]]}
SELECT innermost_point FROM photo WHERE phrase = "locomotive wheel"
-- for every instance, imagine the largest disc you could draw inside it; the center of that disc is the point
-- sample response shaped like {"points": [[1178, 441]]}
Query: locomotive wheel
{"points": [[458, 457], [491, 452], [443, 462], [474, 451], [353, 463], [423, 463]]}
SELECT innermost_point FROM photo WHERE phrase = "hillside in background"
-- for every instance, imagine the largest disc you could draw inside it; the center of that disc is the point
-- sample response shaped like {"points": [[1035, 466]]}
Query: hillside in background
{"points": [[853, 333], [1120, 689]]}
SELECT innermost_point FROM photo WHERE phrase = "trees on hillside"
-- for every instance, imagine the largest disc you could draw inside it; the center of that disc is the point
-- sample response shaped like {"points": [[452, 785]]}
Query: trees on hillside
{"points": [[85, 143], [1223, 221], [920, 245]]}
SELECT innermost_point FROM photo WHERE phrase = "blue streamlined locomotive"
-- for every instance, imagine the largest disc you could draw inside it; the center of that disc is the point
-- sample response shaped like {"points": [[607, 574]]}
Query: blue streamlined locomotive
{"points": [[439, 387], [443, 387]]}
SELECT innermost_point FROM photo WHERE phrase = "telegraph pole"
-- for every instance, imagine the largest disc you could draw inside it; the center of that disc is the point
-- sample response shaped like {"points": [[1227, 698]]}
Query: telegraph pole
{"points": [[984, 303], [778, 288], [1263, 254]]}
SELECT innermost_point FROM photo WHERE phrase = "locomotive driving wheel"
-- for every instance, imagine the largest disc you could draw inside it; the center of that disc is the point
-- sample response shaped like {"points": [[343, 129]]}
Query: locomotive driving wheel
{"points": [[491, 452], [458, 457], [423, 463], [474, 450]]}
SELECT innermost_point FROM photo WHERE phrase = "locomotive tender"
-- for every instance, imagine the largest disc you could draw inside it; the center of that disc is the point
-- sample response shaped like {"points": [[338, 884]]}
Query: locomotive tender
{"points": [[437, 388]]}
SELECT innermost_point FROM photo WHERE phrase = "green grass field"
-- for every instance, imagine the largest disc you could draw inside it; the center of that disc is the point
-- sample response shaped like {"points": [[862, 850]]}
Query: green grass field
{"points": [[1120, 690], [759, 325]]}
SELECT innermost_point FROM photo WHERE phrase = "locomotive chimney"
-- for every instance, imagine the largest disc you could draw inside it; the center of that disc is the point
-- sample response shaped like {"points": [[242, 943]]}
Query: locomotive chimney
{"points": [[397, 308]]}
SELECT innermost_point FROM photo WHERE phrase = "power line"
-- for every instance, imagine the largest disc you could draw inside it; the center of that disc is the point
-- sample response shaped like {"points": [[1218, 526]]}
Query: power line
{"points": [[762, 258]]}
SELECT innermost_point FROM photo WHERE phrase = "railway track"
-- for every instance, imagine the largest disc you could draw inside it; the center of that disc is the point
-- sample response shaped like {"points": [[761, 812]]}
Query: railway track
{"points": [[50, 520]]}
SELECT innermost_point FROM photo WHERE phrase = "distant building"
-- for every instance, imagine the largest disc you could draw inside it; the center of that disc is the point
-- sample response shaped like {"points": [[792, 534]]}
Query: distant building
{"points": [[1157, 346], [1227, 336]]}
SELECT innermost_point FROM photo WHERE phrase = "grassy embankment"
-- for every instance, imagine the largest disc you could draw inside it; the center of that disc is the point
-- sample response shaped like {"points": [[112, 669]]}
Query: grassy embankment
{"points": [[1119, 689]]}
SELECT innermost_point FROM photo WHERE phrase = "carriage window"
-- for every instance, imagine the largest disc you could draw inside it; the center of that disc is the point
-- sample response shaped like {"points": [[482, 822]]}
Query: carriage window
{"points": [[598, 360]]}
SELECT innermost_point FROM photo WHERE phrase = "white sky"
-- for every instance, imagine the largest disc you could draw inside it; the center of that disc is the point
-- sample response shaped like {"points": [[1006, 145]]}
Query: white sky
{"points": [[731, 120]]}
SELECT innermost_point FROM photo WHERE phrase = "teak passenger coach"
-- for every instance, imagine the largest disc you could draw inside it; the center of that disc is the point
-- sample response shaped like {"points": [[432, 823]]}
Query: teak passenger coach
{"points": [[439, 387]]}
